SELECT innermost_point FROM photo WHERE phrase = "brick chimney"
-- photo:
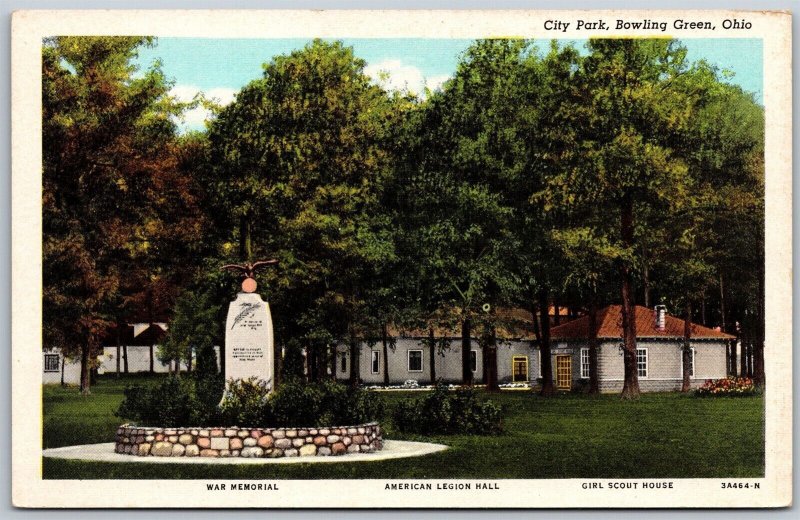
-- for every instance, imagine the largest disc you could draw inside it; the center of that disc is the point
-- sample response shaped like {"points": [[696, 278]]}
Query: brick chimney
{"points": [[661, 316]]}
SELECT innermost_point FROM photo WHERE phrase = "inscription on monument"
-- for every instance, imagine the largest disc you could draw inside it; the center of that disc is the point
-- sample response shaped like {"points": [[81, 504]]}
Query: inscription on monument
{"points": [[249, 340]]}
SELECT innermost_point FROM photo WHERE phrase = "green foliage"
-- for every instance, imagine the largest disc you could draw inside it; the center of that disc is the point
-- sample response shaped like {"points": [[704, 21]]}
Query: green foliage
{"points": [[195, 402], [117, 212], [327, 403], [169, 403], [193, 329], [442, 411], [244, 402]]}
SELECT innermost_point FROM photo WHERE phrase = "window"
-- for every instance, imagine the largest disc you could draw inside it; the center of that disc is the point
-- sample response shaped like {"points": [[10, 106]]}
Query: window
{"points": [[691, 361], [641, 361], [344, 362], [415, 361], [473, 360], [376, 361], [585, 363], [51, 362]]}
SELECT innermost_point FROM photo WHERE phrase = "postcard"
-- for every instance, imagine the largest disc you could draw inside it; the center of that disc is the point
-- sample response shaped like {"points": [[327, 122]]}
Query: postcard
{"points": [[401, 259]]}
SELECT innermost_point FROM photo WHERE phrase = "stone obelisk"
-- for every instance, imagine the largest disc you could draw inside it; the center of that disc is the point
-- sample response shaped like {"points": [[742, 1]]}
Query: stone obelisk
{"points": [[249, 339]]}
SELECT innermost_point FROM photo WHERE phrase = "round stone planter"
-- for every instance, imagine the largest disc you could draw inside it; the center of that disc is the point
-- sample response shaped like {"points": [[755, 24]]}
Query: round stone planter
{"points": [[247, 442]]}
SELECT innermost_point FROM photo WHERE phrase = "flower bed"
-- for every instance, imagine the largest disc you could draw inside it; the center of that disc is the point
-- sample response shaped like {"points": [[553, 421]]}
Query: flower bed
{"points": [[248, 442], [729, 386]]}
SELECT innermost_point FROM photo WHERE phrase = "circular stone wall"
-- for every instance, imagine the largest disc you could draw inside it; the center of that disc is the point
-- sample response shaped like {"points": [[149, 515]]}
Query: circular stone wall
{"points": [[247, 442]]}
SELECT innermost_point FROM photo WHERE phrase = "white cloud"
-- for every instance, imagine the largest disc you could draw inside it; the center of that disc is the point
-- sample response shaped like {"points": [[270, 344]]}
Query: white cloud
{"points": [[395, 75], [195, 118]]}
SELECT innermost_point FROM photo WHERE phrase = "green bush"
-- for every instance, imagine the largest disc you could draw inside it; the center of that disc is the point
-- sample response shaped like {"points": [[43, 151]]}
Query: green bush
{"points": [[168, 403], [328, 403], [244, 402], [188, 401], [442, 411]]}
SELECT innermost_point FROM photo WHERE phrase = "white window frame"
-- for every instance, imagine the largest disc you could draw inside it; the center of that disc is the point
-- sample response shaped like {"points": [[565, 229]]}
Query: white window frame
{"points": [[343, 363], [375, 362], [694, 362], [473, 360], [646, 363], [585, 375], [421, 360], [58, 362]]}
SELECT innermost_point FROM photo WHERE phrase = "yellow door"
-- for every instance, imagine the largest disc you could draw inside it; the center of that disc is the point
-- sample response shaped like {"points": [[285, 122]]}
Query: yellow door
{"points": [[519, 369], [564, 372]]}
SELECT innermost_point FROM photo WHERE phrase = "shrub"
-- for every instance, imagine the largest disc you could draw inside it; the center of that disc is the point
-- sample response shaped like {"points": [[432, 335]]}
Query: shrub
{"points": [[447, 412], [168, 403], [727, 387], [327, 403], [188, 401], [244, 402]]}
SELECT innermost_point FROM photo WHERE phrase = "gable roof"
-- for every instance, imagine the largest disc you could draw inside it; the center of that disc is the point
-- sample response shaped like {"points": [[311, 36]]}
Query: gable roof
{"points": [[609, 325]]}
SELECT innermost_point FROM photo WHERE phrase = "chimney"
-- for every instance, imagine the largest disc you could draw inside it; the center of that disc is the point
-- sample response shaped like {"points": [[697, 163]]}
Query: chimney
{"points": [[661, 316]]}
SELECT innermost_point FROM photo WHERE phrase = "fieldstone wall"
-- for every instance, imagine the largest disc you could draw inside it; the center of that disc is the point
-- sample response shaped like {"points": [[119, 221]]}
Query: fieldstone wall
{"points": [[247, 442]]}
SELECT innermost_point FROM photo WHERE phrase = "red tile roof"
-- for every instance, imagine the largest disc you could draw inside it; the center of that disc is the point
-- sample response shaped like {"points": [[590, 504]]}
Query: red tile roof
{"points": [[609, 325]]}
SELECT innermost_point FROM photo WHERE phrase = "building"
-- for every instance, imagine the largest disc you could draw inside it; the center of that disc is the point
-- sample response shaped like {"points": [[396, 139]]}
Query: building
{"points": [[135, 343], [659, 354], [659, 351]]}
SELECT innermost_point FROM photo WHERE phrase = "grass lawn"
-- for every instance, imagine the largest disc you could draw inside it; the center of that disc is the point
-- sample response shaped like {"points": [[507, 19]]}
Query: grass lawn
{"points": [[665, 435]]}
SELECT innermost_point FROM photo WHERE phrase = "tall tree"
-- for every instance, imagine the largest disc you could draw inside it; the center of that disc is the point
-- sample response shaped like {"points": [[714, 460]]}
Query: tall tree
{"points": [[629, 110], [458, 223], [107, 135], [302, 157]]}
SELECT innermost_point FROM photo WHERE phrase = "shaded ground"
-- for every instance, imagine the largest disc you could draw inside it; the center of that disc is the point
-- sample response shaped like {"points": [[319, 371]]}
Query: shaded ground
{"points": [[569, 436]]}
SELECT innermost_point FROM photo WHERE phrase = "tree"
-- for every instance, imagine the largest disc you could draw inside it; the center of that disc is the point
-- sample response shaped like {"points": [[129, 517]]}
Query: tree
{"points": [[457, 222], [106, 154], [629, 109], [301, 159], [193, 331]]}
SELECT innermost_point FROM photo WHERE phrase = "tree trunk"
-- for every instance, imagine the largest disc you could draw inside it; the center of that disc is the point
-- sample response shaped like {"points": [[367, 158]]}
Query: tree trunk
{"points": [[687, 346], [703, 310], [119, 346], [723, 317], [245, 241], [743, 356], [645, 278], [758, 346], [63, 360], [151, 329], [731, 347], [491, 358], [125, 358], [594, 379], [630, 388], [85, 376], [544, 344], [354, 362], [385, 341], [277, 369], [311, 364], [466, 352], [322, 361], [432, 346]]}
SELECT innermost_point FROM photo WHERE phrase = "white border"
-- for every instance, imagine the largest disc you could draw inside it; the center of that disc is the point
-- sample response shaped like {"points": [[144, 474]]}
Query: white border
{"points": [[29, 27]]}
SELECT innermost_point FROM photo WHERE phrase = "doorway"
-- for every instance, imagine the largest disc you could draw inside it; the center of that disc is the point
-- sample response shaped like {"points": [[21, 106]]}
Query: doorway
{"points": [[519, 369], [564, 372]]}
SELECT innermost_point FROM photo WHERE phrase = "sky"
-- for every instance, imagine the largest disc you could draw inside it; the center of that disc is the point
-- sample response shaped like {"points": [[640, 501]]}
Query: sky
{"points": [[220, 67]]}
